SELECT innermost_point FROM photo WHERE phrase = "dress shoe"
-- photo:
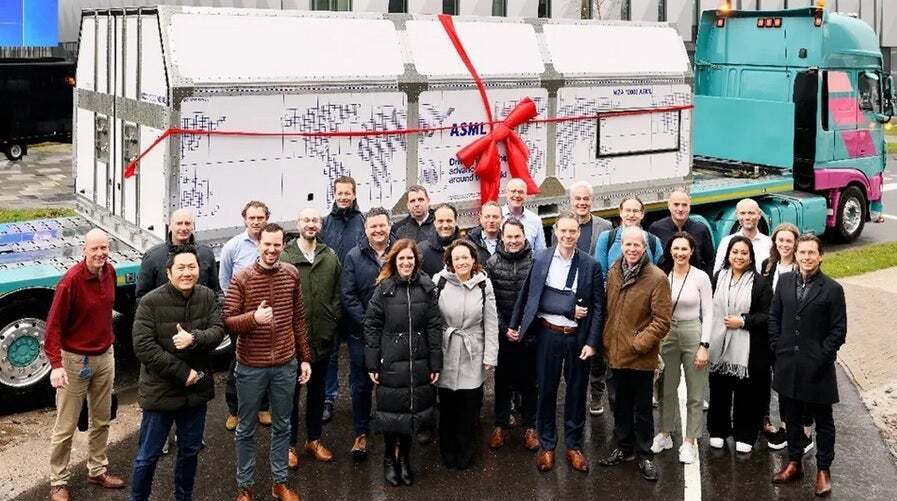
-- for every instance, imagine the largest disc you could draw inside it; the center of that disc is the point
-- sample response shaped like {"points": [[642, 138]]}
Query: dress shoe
{"points": [[231, 423], [360, 448], [531, 439], [823, 483], [328, 412], [106, 481], [497, 438], [545, 460], [292, 459], [391, 472], [405, 473], [59, 493], [648, 469], [244, 495], [265, 418], [792, 471], [577, 461], [616, 457], [284, 493], [317, 450]]}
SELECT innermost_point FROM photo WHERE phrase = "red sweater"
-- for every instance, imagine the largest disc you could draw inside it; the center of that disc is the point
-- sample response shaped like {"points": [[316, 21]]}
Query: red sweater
{"points": [[80, 320]]}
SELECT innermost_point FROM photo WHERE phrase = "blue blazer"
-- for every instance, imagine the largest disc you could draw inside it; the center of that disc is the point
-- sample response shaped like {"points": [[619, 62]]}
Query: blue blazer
{"points": [[589, 289]]}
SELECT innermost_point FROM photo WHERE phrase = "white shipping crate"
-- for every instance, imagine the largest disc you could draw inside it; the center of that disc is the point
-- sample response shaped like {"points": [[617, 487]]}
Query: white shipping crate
{"points": [[145, 70]]}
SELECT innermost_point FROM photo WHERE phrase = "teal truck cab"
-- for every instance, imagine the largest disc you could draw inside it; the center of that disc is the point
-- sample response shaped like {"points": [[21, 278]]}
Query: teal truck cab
{"points": [[792, 96]]}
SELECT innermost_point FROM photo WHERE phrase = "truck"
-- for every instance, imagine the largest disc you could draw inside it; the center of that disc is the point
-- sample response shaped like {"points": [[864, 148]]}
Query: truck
{"points": [[36, 103], [392, 106]]}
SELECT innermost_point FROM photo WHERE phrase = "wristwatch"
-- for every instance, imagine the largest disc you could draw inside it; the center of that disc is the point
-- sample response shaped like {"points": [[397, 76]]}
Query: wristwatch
{"points": [[705, 345]]}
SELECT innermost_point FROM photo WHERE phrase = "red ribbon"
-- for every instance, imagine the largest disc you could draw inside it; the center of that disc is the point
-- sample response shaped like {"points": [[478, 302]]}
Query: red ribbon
{"points": [[484, 151]]}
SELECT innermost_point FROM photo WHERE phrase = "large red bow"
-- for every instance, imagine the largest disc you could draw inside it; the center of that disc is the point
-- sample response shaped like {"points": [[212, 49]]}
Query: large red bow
{"points": [[484, 152]]}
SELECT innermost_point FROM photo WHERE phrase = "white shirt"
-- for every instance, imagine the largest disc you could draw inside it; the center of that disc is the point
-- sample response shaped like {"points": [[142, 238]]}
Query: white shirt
{"points": [[761, 243], [491, 244], [557, 278], [780, 269], [532, 224]]}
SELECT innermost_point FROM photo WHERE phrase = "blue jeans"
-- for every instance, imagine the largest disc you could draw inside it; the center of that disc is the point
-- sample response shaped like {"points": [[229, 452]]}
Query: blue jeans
{"points": [[253, 383], [361, 386], [190, 423]]}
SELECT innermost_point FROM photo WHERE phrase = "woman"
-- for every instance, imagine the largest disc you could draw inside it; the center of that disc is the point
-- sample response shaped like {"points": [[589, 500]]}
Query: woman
{"points": [[403, 354], [686, 345], [469, 347], [739, 346]]}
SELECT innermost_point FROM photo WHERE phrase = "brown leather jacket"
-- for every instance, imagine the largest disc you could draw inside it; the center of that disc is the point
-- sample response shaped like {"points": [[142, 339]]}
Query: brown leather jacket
{"points": [[286, 336], [637, 317]]}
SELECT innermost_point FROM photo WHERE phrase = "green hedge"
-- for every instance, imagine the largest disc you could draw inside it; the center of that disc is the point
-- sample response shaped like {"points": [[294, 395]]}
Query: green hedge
{"points": [[13, 215]]}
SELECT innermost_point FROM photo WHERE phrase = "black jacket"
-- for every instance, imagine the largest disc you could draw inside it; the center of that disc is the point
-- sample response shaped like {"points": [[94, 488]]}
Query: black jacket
{"points": [[475, 235], [154, 273], [508, 272], [756, 322], [432, 251], [343, 229], [706, 252], [164, 368], [403, 344], [360, 270], [407, 227], [805, 338]]}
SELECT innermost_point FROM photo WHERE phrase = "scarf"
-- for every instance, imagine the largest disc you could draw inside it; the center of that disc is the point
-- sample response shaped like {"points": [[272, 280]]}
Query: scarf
{"points": [[630, 273], [730, 348]]}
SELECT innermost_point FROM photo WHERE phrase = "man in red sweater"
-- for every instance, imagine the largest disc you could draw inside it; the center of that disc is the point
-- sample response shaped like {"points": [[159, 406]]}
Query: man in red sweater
{"points": [[79, 347]]}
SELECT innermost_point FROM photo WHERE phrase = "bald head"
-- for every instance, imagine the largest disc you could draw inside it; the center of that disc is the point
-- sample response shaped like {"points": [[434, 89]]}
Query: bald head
{"points": [[309, 224], [748, 214], [95, 250], [181, 226]]}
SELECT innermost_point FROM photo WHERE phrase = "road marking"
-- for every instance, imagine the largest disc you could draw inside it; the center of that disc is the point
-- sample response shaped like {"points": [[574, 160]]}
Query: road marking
{"points": [[889, 187], [692, 472]]}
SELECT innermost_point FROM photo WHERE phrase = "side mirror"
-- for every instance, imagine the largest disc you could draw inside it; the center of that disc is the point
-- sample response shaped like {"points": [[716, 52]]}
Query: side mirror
{"points": [[888, 95]]}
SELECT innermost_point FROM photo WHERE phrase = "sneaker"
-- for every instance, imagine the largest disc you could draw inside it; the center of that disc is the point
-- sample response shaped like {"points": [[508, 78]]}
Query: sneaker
{"points": [[808, 444], [595, 408], [743, 447], [717, 443], [648, 469], [777, 441], [706, 405], [165, 446], [328, 412], [661, 443], [687, 453]]}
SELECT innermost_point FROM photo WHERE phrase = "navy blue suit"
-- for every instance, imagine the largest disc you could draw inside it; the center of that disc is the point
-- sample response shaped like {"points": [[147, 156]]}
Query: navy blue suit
{"points": [[558, 354]]}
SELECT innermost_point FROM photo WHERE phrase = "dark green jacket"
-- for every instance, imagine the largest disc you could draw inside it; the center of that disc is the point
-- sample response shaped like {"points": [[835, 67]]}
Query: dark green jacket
{"points": [[164, 368], [320, 295]]}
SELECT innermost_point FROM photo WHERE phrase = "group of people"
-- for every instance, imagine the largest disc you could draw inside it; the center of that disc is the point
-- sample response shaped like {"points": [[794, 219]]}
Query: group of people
{"points": [[428, 314]]}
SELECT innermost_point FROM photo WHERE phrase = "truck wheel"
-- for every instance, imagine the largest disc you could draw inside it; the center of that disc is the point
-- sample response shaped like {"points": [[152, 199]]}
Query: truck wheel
{"points": [[24, 369], [15, 152], [850, 217]]}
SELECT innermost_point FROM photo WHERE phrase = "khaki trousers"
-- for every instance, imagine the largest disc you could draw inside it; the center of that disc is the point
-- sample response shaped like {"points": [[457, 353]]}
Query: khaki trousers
{"points": [[69, 399], [678, 350]]}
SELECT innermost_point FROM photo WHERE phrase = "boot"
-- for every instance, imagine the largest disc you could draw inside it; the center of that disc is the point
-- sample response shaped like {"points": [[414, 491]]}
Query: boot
{"points": [[404, 465], [390, 472]]}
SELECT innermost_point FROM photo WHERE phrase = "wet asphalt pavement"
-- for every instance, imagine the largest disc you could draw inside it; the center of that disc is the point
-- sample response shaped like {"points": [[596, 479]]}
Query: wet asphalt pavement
{"points": [[863, 468]]}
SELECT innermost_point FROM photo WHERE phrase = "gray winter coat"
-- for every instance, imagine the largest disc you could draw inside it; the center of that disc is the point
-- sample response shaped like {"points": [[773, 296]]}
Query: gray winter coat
{"points": [[471, 335]]}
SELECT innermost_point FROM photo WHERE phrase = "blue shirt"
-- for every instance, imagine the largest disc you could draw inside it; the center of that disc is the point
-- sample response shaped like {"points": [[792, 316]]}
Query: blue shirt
{"points": [[607, 255], [238, 253], [532, 224]]}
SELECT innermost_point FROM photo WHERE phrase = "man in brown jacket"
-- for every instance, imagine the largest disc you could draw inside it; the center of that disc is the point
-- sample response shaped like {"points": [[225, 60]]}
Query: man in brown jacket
{"points": [[638, 316], [263, 307]]}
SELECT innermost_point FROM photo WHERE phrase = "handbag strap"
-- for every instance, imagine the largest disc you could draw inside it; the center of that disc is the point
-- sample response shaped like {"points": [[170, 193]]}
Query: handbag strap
{"points": [[676, 303]]}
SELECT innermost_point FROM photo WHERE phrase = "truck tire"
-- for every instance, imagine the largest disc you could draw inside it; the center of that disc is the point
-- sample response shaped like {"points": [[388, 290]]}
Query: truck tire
{"points": [[14, 152], [24, 369], [850, 216]]}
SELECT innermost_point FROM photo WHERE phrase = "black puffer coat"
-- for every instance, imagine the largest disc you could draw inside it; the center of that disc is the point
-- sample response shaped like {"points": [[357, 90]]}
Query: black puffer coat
{"points": [[432, 251], [403, 333], [508, 272]]}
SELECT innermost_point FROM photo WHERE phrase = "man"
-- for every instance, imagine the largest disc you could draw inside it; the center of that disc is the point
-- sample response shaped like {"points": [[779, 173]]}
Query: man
{"points": [[486, 236], [590, 227], [239, 252], [176, 327], [807, 326], [516, 195], [360, 270], [79, 347], [432, 249], [418, 225], [508, 269], [679, 205], [639, 314], [561, 306], [153, 272], [748, 213], [609, 246], [319, 273], [264, 308], [342, 230]]}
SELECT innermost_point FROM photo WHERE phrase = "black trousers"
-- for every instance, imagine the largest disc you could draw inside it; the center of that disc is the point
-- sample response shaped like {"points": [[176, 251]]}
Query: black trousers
{"points": [[314, 403], [796, 415], [516, 371], [633, 411], [459, 412], [230, 387], [737, 405]]}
